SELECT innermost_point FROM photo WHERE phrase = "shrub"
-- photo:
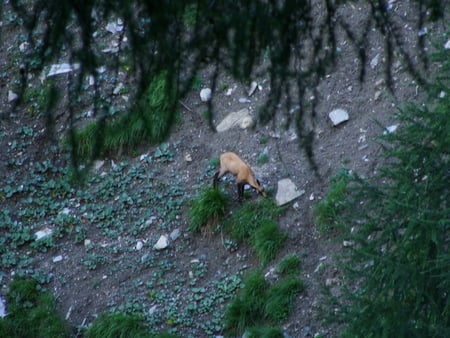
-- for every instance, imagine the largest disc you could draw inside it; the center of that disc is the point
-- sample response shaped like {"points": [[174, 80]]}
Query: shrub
{"points": [[118, 325], [280, 297], [31, 312], [399, 264]]}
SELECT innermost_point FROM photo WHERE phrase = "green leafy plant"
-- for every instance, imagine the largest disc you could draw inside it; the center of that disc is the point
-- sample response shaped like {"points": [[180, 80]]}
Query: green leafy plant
{"points": [[31, 312], [207, 209]]}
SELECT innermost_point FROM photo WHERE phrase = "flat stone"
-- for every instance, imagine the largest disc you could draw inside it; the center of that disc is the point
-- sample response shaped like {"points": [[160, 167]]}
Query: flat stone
{"points": [[43, 233], [239, 118], [287, 191], [338, 116]]}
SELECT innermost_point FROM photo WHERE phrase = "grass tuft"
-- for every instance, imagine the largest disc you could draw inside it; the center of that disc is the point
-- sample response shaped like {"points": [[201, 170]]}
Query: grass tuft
{"points": [[267, 241], [118, 325], [149, 121], [207, 210], [280, 298], [289, 265], [31, 312]]}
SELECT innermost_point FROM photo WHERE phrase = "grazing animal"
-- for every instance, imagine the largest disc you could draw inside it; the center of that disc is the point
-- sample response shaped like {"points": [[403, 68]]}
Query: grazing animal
{"points": [[232, 163]]}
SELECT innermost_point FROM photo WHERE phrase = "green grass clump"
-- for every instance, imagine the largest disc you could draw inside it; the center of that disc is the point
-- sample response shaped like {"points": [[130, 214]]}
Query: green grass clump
{"points": [[267, 241], [149, 121], [280, 297], [260, 303], [121, 325], [250, 216], [264, 332], [290, 265], [207, 209], [328, 210], [31, 312]]}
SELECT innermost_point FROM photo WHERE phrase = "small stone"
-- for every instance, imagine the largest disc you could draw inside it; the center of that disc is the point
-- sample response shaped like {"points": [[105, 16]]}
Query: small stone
{"points": [[390, 129], [24, 46], [441, 94], [98, 164], [175, 234], [2, 308], [246, 122], [139, 245], [205, 94], [244, 100], [377, 95], [163, 242], [188, 158], [347, 244], [118, 88], [338, 116], [252, 88], [12, 96], [331, 281], [447, 45], [65, 211], [57, 259], [87, 242], [43, 233], [62, 68], [374, 61]]}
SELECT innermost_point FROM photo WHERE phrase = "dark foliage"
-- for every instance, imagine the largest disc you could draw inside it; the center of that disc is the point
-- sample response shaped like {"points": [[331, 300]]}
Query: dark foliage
{"points": [[297, 38]]}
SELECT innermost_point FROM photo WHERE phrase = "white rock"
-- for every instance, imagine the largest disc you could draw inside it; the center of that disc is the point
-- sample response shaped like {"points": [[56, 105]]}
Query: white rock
{"points": [[87, 242], [65, 211], [244, 100], [163, 242], [12, 96], [441, 94], [252, 88], [447, 45], [246, 122], [175, 234], [139, 245], [24, 46], [115, 27], [43, 233], [347, 244], [57, 259], [205, 94], [374, 61], [338, 116], [62, 68], [118, 88], [98, 164], [287, 191], [2, 308], [233, 119], [390, 129], [188, 158]]}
